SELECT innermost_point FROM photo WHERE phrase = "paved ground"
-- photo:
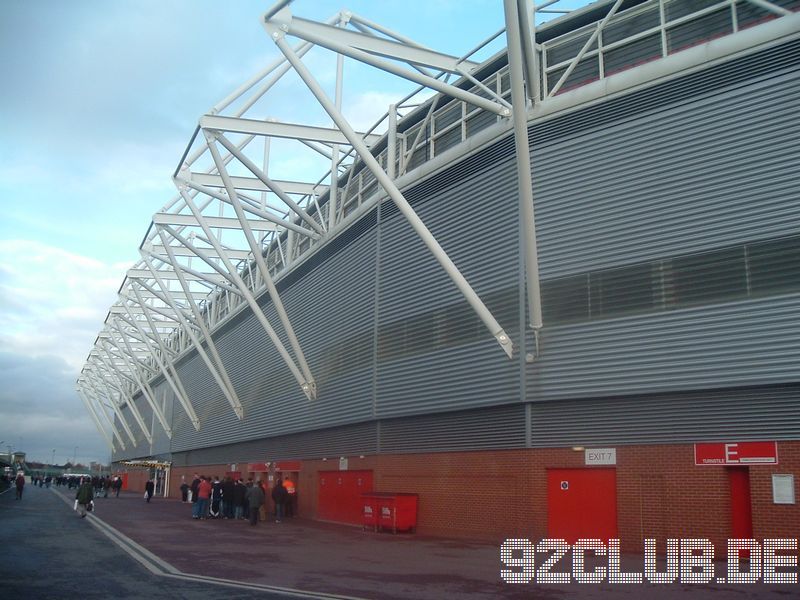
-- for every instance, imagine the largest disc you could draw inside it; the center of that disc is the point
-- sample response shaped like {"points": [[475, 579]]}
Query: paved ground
{"points": [[131, 549]]}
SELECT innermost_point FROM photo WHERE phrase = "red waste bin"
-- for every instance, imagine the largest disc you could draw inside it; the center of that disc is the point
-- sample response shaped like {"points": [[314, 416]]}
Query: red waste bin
{"points": [[369, 511], [397, 511]]}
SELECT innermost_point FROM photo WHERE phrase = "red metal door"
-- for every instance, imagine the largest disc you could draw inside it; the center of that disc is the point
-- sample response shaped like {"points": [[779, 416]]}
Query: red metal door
{"points": [[581, 504], [339, 496], [741, 507]]}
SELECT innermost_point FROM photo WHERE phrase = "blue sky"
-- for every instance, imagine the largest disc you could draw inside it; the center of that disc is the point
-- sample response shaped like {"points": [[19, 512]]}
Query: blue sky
{"points": [[98, 102]]}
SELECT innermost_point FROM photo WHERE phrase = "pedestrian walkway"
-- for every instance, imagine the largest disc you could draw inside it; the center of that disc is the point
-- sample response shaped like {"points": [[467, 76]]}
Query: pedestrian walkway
{"points": [[304, 558]]}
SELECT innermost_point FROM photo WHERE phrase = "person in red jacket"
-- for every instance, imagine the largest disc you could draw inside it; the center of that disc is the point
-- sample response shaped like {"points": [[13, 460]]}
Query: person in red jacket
{"points": [[203, 494]]}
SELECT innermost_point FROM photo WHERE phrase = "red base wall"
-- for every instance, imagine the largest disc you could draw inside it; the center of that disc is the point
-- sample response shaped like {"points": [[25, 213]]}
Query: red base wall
{"points": [[495, 495]]}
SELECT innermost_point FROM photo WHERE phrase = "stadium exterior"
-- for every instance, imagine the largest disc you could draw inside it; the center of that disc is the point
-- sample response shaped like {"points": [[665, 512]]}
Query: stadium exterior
{"points": [[631, 367]]}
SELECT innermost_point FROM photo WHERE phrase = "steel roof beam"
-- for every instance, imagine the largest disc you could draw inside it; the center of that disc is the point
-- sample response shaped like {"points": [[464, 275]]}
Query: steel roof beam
{"points": [[289, 131], [254, 184]]}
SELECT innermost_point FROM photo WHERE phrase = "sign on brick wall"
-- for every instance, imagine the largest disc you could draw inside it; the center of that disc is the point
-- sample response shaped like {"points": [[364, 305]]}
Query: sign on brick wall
{"points": [[736, 453]]}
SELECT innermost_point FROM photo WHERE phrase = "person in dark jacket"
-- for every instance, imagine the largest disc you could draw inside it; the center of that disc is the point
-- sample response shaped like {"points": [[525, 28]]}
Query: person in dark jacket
{"points": [[255, 498], [195, 487], [227, 497], [85, 496], [149, 488], [239, 492], [184, 492], [216, 498], [279, 497]]}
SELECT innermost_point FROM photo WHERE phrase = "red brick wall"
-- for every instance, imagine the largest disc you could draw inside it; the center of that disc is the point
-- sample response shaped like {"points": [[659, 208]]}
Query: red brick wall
{"points": [[494, 495]]}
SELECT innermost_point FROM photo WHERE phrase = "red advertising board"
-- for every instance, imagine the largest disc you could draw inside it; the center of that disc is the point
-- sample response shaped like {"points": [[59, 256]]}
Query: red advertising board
{"points": [[257, 467], [736, 453]]}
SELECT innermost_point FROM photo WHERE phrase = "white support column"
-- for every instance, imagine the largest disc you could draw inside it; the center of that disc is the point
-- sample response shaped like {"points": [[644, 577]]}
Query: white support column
{"points": [[333, 194], [397, 197], [523, 161], [215, 366]]}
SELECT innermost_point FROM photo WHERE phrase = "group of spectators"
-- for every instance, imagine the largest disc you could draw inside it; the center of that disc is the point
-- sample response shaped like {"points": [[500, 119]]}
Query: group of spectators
{"points": [[229, 499], [100, 484]]}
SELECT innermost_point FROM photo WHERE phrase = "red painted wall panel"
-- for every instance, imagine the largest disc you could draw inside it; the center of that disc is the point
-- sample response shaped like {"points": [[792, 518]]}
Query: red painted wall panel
{"points": [[339, 497]]}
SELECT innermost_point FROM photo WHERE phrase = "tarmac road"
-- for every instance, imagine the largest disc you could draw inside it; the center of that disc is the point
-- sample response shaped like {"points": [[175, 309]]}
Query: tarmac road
{"points": [[134, 549], [49, 552]]}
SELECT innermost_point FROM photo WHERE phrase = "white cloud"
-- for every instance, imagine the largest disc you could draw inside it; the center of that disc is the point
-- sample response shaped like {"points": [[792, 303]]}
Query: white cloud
{"points": [[53, 301]]}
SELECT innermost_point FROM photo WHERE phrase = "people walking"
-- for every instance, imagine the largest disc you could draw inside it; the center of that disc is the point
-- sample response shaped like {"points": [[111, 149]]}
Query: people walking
{"points": [[85, 496], [117, 485], [184, 491], [255, 498], [279, 496], [20, 483]]}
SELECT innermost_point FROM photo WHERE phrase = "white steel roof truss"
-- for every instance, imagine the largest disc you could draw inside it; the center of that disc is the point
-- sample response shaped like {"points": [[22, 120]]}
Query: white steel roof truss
{"points": [[142, 381], [131, 403], [169, 371], [95, 418], [95, 380], [394, 193], [249, 208], [87, 387], [216, 367], [209, 259], [301, 374], [144, 307], [147, 337], [342, 42], [210, 280], [259, 173], [119, 357]]}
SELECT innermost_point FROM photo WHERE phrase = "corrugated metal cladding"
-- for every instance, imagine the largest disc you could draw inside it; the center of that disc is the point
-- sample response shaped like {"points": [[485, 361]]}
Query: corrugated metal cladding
{"points": [[329, 443], [712, 172], [703, 162], [711, 415]]}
